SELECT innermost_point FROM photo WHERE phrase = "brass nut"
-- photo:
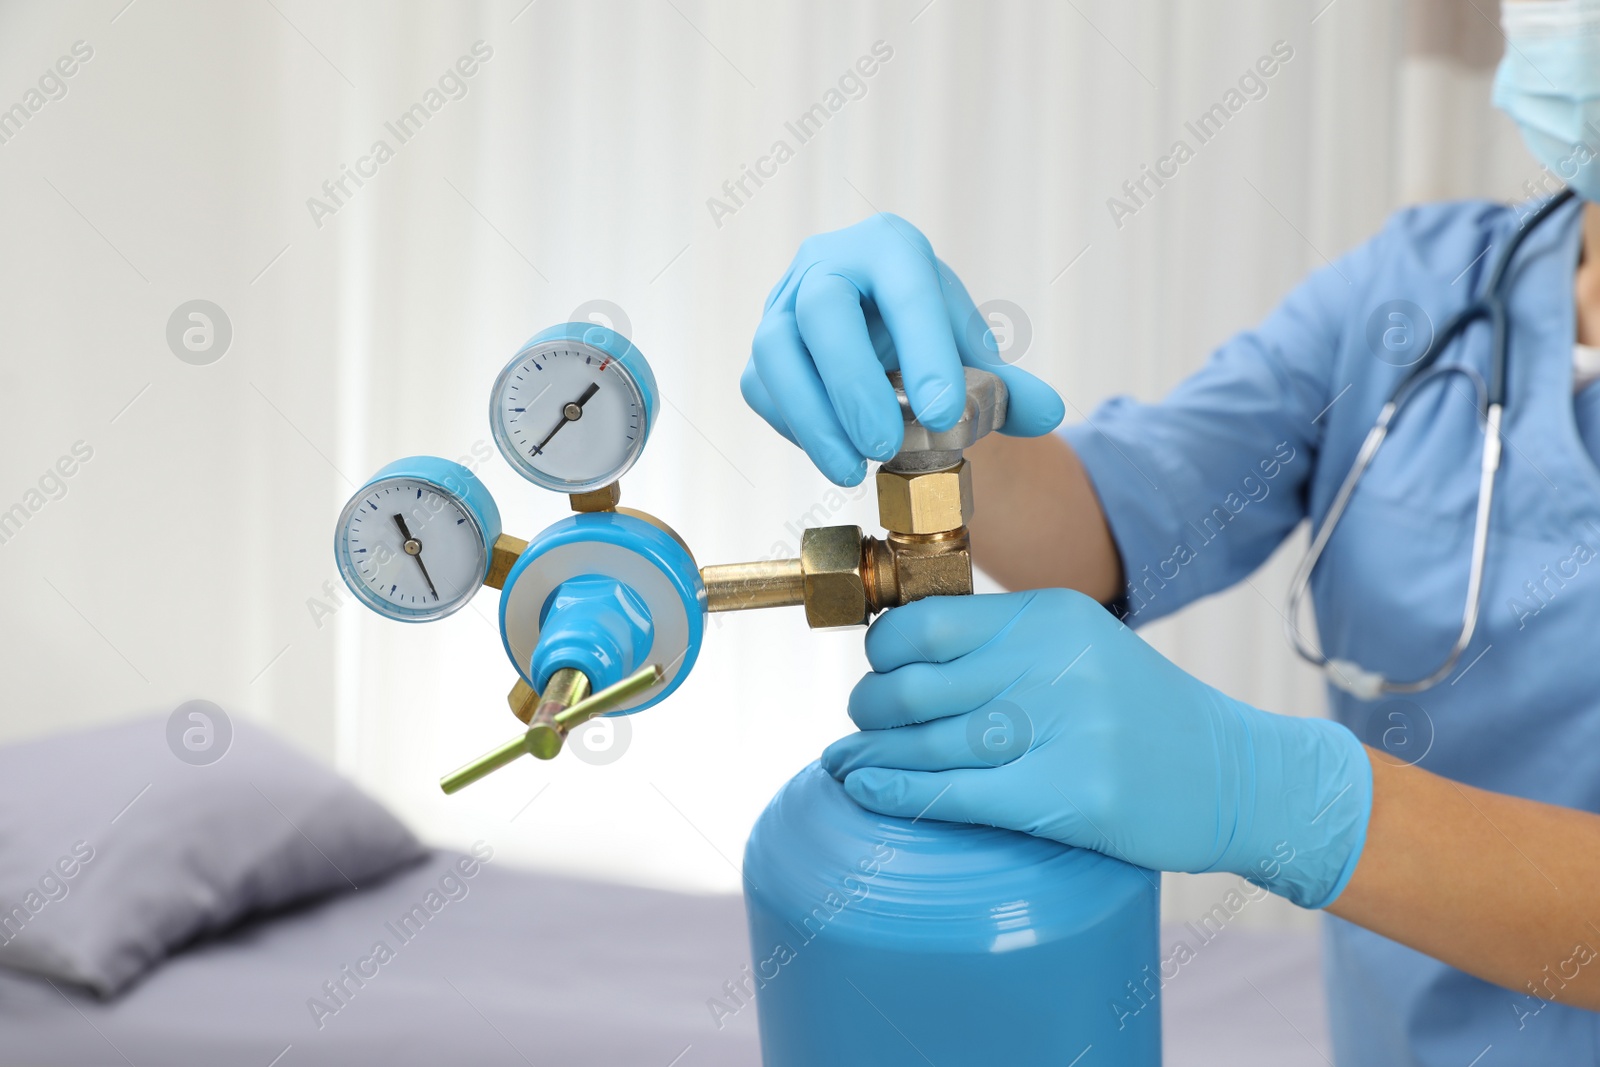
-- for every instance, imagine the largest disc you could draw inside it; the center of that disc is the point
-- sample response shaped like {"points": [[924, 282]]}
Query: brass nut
{"points": [[931, 568], [925, 502], [604, 498], [523, 700], [507, 549], [830, 559]]}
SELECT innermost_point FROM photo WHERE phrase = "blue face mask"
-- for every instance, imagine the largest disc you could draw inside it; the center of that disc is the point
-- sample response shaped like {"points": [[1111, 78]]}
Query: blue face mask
{"points": [[1549, 83]]}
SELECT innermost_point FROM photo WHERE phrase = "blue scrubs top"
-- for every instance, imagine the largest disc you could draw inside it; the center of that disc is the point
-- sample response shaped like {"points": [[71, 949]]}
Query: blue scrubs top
{"points": [[1201, 488]]}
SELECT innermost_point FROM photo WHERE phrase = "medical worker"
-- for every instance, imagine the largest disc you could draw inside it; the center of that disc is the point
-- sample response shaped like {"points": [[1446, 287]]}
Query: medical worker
{"points": [[1446, 820]]}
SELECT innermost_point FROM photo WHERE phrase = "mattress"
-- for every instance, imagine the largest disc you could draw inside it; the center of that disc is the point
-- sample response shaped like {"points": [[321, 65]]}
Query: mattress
{"points": [[528, 969]]}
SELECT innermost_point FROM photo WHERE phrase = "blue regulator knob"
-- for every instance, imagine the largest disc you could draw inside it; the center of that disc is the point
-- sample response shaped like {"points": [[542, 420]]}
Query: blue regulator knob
{"points": [[594, 624], [604, 593]]}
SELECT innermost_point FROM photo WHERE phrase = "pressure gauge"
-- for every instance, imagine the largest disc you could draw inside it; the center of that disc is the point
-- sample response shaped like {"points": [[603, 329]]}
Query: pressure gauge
{"points": [[414, 543], [573, 408]]}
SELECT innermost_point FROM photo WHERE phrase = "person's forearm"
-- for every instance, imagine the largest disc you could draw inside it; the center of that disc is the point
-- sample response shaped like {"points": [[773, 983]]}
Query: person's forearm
{"points": [[1503, 888], [1037, 523]]}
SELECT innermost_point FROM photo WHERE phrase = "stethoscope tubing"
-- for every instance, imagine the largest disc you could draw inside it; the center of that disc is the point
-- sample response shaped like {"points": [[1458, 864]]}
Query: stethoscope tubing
{"points": [[1491, 401]]}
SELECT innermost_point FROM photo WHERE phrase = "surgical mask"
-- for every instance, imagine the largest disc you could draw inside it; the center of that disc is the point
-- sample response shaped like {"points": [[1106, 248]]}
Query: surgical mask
{"points": [[1549, 83]]}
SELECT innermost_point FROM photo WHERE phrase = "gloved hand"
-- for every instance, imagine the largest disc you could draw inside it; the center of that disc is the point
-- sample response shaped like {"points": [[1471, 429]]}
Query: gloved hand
{"points": [[1106, 745], [855, 303]]}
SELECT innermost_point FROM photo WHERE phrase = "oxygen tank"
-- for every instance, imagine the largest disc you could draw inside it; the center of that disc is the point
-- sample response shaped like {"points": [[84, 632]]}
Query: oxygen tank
{"points": [[878, 941]]}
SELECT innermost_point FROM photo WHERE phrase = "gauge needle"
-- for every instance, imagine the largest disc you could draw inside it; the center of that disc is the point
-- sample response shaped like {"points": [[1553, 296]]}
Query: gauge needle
{"points": [[570, 412], [413, 549]]}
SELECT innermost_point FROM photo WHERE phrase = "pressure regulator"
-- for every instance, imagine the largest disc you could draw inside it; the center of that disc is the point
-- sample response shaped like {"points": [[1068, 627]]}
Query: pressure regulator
{"points": [[604, 611]]}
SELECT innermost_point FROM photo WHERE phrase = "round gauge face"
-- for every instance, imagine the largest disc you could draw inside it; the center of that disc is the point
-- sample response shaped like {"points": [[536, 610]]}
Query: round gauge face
{"points": [[568, 416], [410, 550]]}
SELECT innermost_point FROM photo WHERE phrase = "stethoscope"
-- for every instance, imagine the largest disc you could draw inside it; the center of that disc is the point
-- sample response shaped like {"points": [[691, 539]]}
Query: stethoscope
{"points": [[1490, 306]]}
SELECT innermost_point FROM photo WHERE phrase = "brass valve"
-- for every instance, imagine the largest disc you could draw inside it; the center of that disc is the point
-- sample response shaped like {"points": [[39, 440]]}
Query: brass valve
{"points": [[844, 577]]}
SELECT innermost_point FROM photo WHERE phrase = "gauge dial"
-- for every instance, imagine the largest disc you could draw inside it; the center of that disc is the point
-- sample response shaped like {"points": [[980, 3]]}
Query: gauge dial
{"points": [[414, 543], [572, 410]]}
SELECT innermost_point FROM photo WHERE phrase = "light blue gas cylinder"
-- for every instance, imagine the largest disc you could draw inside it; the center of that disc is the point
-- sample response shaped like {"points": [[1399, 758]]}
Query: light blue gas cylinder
{"points": [[879, 942]]}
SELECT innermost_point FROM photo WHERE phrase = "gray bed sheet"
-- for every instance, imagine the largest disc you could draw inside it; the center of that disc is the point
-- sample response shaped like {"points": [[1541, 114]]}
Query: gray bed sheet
{"points": [[529, 970]]}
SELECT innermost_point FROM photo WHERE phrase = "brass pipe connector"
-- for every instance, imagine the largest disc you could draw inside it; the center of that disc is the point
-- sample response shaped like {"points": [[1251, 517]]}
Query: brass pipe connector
{"points": [[774, 583], [906, 567], [844, 578], [828, 579]]}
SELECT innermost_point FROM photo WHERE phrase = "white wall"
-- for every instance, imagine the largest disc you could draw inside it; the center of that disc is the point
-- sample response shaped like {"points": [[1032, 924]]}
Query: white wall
{"points": [[186, 555]]}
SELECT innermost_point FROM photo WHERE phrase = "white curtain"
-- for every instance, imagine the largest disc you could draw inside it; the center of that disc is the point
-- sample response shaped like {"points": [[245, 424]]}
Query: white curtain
{"points": [[191, 555]]}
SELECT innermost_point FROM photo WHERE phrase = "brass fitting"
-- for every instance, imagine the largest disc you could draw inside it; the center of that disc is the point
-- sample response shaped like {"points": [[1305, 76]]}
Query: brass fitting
{"points": [[925, 502], [506, 551], [843, 578], [767, 583], [523, 700], [605, 498], [906, 567], [828, 578], [545, 735], [835, 589]]}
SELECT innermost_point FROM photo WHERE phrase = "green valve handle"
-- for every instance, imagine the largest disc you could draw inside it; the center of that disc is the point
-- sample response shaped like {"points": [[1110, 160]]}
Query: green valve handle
{"points": [[537, 740]]}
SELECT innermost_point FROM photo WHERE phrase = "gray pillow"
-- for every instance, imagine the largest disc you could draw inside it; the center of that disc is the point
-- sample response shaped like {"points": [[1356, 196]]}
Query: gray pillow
{"points": [[118, 845]]}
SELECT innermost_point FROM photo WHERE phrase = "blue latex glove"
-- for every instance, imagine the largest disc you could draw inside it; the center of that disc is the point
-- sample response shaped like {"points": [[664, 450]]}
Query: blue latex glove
{"points": [[855, 303], [1109, 745]]}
